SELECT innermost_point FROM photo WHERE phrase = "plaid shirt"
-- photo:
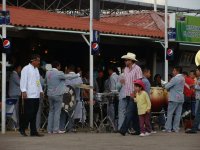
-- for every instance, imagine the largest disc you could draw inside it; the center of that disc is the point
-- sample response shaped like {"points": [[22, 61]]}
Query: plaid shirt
{"points": [[131, 75]]}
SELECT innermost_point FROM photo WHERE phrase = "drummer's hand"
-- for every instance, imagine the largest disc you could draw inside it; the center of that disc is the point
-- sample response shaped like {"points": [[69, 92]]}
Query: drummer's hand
{"points": [[24, 95], [148, 111]]}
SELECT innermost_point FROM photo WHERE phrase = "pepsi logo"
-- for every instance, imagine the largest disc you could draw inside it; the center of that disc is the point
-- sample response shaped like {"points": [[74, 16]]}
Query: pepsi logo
{"points": [[95, 46], [6, 44], [170, 52]]}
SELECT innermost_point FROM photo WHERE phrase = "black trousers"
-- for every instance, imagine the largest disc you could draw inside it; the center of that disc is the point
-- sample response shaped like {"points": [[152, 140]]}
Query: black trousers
{"points": [[131, 117], [28, 113]]}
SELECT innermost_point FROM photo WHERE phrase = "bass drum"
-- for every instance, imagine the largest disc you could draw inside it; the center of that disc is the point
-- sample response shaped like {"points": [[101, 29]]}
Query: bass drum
{"points": [[157, 99], [69, 99]]}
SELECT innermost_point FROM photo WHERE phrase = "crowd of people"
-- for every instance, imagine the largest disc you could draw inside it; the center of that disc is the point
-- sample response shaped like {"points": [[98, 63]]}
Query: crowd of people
{"points": [[132, 109]]}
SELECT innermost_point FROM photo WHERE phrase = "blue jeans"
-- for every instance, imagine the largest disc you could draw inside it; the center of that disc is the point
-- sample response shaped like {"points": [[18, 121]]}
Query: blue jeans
{"points": [[197, 118], [121, 112], [55, 105], [174, 108], [17, 110], [131, 117]]}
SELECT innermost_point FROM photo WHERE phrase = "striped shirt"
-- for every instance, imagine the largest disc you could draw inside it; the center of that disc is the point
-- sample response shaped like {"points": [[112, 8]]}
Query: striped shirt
{"points": [[131, 75]]}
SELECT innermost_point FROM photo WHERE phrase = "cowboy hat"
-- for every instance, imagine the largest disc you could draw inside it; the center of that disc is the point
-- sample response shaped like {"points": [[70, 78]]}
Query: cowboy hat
{"points": [[130, 56], [140, 83], [197, 58]]}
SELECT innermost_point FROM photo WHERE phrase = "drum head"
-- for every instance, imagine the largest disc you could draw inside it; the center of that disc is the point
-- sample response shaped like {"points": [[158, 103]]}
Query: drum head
{"points": [[69, 99]]}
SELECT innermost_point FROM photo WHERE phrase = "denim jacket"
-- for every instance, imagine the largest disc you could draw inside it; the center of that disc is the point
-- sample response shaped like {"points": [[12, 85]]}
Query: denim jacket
{"points": [[175, 88]]}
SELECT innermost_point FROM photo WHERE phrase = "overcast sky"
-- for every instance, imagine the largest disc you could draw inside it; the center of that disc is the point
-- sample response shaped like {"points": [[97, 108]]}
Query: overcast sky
{"points": [[191, 4]]}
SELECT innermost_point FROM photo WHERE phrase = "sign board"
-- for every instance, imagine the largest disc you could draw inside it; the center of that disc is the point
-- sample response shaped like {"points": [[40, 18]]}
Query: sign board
{"points": [[170, 54], [188, 28], [95, 48], [171, 34], [95, 42], [96, 36], [5, 45], [4, 17]]}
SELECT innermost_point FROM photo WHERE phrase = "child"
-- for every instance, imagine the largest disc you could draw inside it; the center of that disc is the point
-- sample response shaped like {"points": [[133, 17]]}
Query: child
{"points": [[144, 106]]}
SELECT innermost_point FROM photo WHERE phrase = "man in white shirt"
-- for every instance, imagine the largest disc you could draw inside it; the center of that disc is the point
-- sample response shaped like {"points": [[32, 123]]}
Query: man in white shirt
{"points": [[31, 92]]}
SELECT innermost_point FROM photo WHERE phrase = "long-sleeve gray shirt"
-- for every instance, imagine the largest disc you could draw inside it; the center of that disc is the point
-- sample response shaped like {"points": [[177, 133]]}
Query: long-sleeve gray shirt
{"points": [[175, 88], [55, 81], [14, 84]]}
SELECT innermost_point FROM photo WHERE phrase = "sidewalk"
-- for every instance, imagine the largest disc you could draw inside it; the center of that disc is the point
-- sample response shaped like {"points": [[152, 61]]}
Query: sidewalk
{"points": [[101, 141]]}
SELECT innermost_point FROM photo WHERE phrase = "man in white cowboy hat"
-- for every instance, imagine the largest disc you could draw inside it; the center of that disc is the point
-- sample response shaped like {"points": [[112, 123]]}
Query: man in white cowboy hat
{"points": [[132, 72]]}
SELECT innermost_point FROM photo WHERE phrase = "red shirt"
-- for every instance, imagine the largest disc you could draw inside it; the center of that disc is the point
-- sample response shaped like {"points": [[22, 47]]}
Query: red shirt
{"points": [[188, 91]]}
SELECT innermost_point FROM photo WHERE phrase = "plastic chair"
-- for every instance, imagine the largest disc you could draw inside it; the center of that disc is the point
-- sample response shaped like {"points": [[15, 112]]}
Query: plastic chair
{"points": [[11, 114]]}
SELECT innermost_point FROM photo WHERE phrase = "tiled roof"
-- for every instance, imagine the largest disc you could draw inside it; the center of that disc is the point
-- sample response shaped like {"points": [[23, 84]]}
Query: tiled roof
{"points": [[126, 25], [147, 20]]}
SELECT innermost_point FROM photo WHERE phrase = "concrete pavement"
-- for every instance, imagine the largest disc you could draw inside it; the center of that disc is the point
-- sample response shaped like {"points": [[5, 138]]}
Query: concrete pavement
{"points": [[100, 141]]}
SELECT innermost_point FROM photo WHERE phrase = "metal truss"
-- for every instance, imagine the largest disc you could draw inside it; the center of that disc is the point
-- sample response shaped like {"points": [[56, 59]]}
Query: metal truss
{"points": [[81, 7], [75, 7]]}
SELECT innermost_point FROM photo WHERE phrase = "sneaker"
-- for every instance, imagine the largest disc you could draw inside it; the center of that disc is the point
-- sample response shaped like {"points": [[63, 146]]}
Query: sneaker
{"points": [[49, 132], [176, 131], [190, 131], [153, 132], [168, 131], [58, 132], [147, 133], [142, 134]]}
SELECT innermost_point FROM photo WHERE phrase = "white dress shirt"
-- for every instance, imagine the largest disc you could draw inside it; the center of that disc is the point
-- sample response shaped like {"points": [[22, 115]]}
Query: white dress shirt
{"points": [[30, 81]]}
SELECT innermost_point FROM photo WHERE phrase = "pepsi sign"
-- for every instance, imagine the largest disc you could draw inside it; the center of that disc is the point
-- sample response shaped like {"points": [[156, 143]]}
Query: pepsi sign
{"points": [[6, 44], [95, 48], [170, 54]]}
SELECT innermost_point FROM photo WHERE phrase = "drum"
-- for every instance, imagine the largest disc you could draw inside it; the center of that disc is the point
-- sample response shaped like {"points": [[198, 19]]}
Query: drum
{"points": [[157, 99], [101, 97], [98, 96], [69, 99]]}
